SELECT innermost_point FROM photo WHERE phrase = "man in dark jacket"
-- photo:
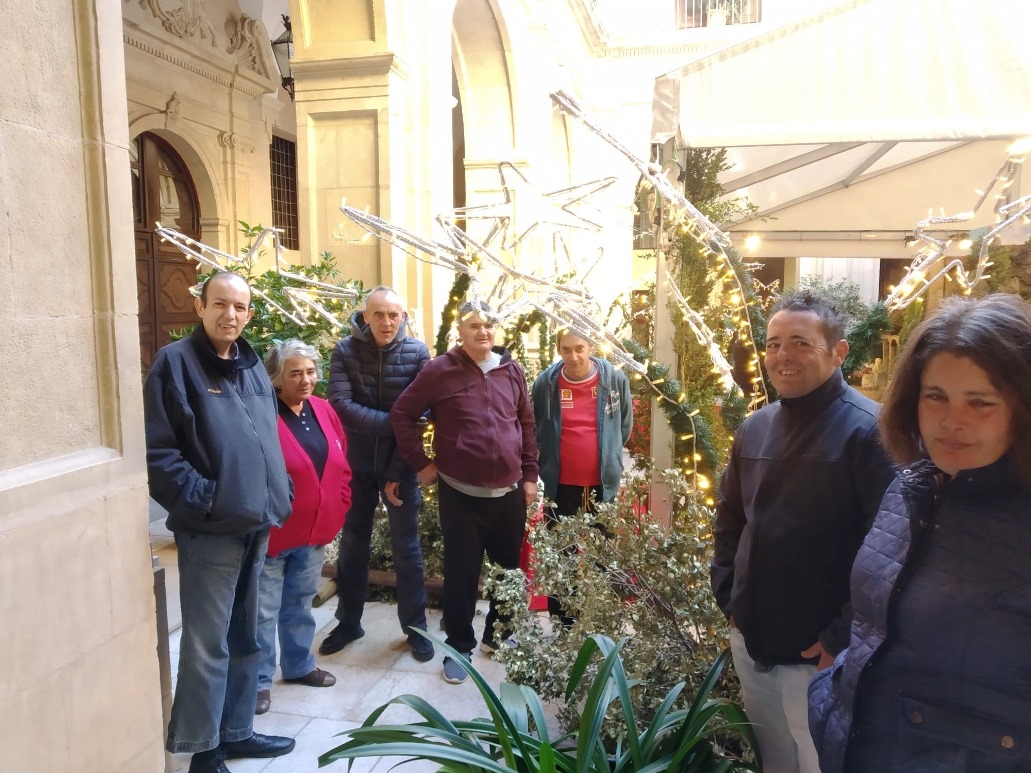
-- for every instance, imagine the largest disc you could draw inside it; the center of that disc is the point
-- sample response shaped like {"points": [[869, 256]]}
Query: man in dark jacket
{"points": [[485, 465], [214, 462], [583, 416], [805, 477], [368, 370]]}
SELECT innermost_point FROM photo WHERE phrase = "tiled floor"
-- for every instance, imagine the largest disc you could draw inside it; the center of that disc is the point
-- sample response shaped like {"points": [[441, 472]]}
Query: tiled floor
{"points": [[369, 672]]}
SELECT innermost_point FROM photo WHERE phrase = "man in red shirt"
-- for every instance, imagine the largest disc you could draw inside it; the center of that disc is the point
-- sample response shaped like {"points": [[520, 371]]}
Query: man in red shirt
{"points": [[583, 415]]}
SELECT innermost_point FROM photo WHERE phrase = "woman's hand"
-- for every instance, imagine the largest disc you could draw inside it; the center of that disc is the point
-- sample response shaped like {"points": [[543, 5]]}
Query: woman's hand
{"points": [[817, 651]]}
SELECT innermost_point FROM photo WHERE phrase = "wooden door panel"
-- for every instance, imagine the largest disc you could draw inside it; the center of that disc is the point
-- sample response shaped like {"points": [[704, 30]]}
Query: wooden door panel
{"points": [[164, 275]]}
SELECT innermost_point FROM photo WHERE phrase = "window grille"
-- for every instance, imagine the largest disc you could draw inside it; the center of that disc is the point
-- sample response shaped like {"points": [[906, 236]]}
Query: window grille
{"points": [[283, 156]]}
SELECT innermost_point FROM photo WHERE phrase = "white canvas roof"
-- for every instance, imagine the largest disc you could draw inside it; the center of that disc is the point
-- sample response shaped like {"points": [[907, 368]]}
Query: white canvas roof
{"points": [[918, 98], [862, 71]]}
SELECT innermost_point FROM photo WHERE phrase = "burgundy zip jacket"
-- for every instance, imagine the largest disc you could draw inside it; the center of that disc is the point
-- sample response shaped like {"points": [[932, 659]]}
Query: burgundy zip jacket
{"points": [[482, 422]]}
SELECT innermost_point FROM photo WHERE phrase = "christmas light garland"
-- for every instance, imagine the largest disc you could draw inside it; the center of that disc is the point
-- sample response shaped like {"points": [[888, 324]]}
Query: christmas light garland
{"points": [[715, 242]]}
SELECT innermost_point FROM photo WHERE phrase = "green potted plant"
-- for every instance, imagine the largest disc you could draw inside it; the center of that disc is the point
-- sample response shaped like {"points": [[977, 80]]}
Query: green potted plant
{"points": [[515, 737]]}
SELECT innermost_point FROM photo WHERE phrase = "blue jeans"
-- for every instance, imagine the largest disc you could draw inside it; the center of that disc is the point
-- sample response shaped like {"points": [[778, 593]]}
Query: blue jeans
{"points": [[285, 590], [353, 564], [218, 652]]}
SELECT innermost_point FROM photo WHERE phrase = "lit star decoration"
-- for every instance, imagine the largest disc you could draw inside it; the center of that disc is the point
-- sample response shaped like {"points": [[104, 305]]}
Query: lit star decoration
{"points": [[690, 220], [306, 295], [930, 262], [531, 208], [514, 292]]}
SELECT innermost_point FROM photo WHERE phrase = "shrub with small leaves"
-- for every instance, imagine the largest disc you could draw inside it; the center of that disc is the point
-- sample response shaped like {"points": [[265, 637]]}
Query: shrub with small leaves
{"points": [[620, 574]]}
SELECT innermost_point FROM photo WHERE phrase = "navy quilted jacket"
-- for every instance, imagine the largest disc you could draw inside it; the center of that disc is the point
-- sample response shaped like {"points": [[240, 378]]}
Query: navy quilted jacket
{"points": [[937, 676], [364, 382]]}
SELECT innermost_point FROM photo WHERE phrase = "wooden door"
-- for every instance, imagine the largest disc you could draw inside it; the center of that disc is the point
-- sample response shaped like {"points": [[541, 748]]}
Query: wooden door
{"points": [[162, 192]]}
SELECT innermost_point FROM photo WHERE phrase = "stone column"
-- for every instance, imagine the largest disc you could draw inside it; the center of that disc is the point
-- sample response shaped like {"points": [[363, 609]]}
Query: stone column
{"points": [[373, 98]]}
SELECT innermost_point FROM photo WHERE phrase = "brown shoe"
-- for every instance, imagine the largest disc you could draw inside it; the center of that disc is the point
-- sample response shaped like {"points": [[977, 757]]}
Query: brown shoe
{"points": [[264, 702], [317, 678]]}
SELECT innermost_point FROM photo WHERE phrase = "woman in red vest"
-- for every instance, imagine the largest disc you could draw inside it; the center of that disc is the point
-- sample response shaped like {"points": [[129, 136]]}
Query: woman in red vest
{"points": [[315, 451]]}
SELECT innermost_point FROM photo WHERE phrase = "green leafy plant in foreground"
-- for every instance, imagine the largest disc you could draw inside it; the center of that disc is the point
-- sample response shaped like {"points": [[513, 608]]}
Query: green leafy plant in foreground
{"points": [[515, 736]]}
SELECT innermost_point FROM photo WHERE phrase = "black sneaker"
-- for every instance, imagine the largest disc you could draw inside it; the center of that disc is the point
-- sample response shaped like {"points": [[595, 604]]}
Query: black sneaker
{"points": [[339, 638], [453, 671], [422, 649]]}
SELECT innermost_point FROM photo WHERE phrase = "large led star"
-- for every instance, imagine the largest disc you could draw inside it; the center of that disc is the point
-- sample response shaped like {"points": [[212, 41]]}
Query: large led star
{"points": [[525, 208], [307, 296]]}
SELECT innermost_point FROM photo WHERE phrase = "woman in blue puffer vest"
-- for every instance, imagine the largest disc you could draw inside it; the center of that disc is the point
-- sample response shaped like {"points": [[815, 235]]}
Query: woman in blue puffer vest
{"points": [[937, 675]]}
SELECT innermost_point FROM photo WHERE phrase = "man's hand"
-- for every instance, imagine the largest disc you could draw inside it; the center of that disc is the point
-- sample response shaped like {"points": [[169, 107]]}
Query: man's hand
{"points": [[817, 651], [530, 490], [390, 492], [428, 474]]}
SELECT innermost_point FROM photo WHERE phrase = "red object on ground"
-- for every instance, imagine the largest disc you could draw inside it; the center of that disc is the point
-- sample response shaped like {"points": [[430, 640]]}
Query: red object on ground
{"points": [[537, 602]]}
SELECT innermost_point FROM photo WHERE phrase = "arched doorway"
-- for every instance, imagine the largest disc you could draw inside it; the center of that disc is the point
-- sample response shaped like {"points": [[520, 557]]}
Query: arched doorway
{"points": [[162, 192]]}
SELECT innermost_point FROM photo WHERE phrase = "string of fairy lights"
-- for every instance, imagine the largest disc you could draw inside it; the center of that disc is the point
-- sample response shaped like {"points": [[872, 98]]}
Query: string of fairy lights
{"points": [[931, 262], [690, 220]]}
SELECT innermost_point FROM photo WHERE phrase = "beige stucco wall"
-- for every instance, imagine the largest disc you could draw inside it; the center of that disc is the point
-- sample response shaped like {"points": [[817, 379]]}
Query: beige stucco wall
{"points": [[79, 687]]}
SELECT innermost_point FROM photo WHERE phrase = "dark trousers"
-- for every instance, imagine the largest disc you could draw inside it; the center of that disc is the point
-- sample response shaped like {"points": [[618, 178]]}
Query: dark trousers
{"points": [[355, 539], [471, 526], [569, 500]]}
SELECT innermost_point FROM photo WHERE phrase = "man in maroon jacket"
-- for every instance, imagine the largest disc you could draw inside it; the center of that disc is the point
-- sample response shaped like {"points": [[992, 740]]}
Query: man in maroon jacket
{"points": [[485, 465]]}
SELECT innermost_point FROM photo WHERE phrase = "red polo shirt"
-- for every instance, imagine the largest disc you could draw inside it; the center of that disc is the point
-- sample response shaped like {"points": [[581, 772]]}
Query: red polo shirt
{"points": [[579, 463]]}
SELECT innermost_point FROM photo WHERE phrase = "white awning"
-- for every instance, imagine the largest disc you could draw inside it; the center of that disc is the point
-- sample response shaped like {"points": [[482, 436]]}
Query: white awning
{"points": [[863, 71]]}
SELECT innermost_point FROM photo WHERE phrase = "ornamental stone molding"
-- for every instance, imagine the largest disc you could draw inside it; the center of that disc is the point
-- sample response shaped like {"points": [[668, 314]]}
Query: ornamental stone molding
{"points": [[173, 111], [234, 140], [211, 64], [187, 21], [246, 36]]}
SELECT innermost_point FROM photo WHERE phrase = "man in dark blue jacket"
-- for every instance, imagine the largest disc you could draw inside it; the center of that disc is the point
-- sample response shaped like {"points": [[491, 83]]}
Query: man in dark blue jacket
{"points": [[368, 370], [805, 477], [214, 462]]}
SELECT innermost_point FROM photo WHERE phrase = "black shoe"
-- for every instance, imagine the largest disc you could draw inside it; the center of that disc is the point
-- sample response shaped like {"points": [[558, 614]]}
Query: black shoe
{"points": [[422, 649], [339, 638], [258, 746], [208, 762]]}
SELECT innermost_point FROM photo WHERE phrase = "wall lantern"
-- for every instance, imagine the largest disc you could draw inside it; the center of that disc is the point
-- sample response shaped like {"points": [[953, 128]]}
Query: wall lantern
{"points": [[283, 50]]}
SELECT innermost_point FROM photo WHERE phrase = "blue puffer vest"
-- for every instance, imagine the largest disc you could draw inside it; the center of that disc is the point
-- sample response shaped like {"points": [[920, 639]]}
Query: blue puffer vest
{"points": [[937, 676], [364, 382]]}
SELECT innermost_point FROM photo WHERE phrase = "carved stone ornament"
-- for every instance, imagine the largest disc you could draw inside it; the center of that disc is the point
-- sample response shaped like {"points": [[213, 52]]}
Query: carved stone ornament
{"points": [[173, 110], [244, 36], [188, 20], [234, 140]]}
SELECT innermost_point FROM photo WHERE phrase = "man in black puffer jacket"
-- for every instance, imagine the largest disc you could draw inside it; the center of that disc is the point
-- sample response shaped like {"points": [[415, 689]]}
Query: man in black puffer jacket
{"points": [[368, 370], [805, 477]]}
